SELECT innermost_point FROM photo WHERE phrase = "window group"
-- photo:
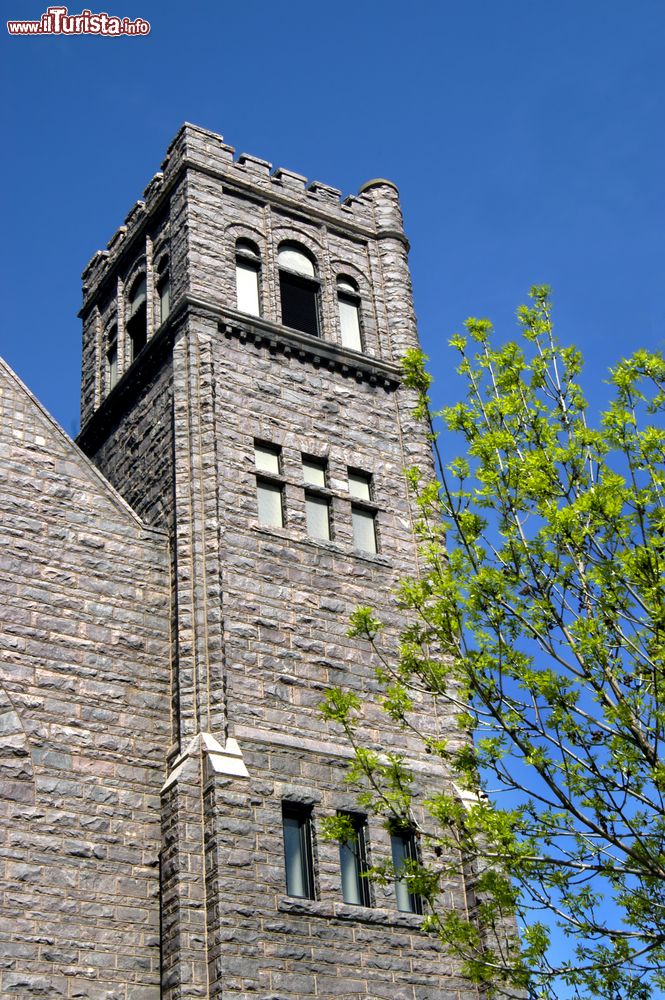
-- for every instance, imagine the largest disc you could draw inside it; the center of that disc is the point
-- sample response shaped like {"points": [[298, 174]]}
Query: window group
{"points": [[318, 497], [354, 859], [299, 291], [134, 306]]}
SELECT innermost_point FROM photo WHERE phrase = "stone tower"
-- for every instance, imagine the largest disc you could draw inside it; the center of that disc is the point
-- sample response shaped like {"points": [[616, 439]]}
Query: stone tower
{"points": [[242, 337]]}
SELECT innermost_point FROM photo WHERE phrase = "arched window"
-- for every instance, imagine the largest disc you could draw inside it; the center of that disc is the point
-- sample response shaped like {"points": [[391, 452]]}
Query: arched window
{"points": [[163, 289], [299, 289], [136, 322], [112, 356], [348, 301], [248, 270]]}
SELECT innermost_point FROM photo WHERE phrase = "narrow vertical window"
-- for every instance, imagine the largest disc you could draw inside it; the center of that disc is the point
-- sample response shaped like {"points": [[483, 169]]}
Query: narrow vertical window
{"points": [[317, 505], [363, 515], [248, 268], [405, 855], [136, 322], [298, 860], [112, 356], [353, 864], [163, 290], [269, 488], [299, 289], [348, 302]]}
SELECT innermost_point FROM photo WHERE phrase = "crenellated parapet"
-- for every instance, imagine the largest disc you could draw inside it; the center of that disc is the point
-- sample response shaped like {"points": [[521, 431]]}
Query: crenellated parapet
{"points": [[199, 149], [211, 220]]}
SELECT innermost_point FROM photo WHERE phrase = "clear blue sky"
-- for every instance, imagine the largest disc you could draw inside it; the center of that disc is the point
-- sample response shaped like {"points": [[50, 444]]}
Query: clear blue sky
{"points": [[526, 138]]}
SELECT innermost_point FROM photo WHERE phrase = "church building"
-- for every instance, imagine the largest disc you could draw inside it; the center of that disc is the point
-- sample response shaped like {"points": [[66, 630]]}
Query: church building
{"points": [[175, 593]]}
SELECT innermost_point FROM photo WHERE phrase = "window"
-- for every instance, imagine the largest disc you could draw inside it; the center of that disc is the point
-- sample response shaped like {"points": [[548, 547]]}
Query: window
{"points": [[317, 512], [360, 484], [248, 269], [363, 523], [137, 316], [299, 289], [298, 862], [269, 491], [163, 290], [112, 356], [314, 471], [317, 506], [405, 852], [363, 515], [353, 864], [348, 302]]}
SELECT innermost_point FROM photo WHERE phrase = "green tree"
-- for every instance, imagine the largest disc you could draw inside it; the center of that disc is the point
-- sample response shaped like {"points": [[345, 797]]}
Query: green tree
{"points": [[540, 616]]}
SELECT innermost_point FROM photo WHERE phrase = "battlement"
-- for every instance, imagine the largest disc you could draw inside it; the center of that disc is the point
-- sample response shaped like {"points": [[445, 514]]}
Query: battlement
{"points": [[370, 213]]}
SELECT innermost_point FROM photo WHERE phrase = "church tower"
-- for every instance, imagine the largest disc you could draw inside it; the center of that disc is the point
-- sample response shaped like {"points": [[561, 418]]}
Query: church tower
{"points": [[241, 389]]}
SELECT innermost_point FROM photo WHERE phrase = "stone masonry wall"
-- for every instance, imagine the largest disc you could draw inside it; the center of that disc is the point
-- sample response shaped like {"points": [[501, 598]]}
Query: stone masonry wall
{"points": [[261, 614], [84, 720]]}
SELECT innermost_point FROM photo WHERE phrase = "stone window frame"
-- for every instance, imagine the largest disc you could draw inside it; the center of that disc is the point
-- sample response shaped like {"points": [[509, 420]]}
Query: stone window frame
{"points": [[270, 481], [233, 234], [110, 340], [361, 849], [318, 493], [342, 268], [296, 279], [285, 233], [162, 276], [137, 272], [365, 506], [408, 838], [247, 254], [291, 483], [347, 291], [304, 812]]}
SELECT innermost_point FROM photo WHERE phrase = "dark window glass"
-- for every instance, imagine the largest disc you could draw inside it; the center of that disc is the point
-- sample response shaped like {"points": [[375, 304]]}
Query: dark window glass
{"points": [[404, 852], [297, 828], [112, 356], [353, 864], [137, 326], [299, 303]]}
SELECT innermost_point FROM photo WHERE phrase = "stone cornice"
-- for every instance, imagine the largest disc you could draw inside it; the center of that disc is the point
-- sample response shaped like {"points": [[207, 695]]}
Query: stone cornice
{"points": [[230, 323]]}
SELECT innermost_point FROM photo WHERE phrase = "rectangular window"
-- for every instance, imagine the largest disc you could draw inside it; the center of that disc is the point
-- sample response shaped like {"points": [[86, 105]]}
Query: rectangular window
{"points": [[164, 292], [247, 288], [404, 850], [314, 471], [298, 862], [137, 319], [267, 458], [317, 512], [364, 529], [270, 503], [300, 309], [349, 318], [360, 484], [112, 357], [269, 492], [353, 865]]}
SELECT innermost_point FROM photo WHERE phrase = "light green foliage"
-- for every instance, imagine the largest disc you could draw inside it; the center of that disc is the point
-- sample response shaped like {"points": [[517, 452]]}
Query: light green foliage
{"points": [[543, 625]]}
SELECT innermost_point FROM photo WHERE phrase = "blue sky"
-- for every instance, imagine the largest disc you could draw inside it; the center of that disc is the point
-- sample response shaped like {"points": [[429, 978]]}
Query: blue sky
{"points": [[526, 138]]}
